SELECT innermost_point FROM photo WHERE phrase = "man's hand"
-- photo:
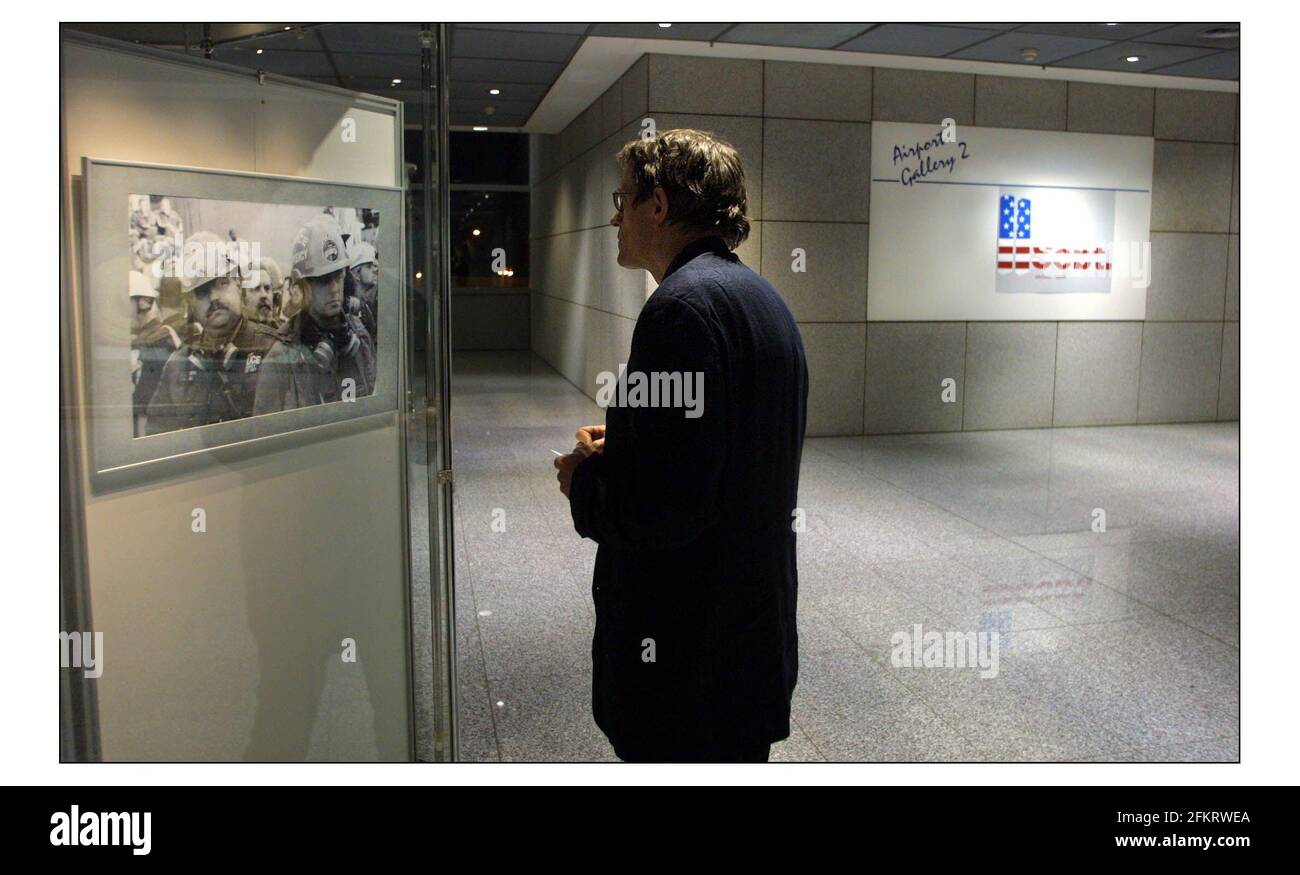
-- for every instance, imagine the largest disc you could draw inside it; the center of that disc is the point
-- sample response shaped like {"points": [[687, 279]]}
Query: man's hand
{"points": [[593, 437], [565, 465]]}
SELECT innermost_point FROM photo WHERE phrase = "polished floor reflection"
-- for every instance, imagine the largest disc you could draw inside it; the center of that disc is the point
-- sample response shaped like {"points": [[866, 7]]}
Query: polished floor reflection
{"points": [[1114, 645]]}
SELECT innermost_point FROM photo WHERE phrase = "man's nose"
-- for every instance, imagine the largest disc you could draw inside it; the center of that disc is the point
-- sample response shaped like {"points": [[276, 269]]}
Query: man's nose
{"points": [[617, 219]]}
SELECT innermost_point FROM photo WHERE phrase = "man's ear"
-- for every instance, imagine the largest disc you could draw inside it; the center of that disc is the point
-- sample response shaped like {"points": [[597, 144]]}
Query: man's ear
{"points": [[661, 206]]}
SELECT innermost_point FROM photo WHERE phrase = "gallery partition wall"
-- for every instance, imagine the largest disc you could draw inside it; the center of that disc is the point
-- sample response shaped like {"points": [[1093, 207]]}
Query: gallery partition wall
{"points": [[840, 226], [253, 414]]}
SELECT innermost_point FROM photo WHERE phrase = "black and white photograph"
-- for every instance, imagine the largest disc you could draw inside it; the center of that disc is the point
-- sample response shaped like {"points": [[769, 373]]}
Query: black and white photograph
{"points": [[243, 306], [242, 309]]}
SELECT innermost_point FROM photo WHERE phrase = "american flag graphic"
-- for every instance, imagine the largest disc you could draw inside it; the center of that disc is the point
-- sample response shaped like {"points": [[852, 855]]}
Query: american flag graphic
{"points": [[1071, 251], [1013, 224]]}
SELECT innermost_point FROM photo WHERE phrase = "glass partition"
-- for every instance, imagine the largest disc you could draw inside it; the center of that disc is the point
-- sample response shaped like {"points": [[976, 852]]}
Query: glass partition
{"points": [[251, 380]]}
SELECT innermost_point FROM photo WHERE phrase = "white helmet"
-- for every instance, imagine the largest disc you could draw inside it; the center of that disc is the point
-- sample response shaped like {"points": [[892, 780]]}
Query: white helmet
{"points": [[318, 250], [138, 286], [206, 257], [362, 253]]}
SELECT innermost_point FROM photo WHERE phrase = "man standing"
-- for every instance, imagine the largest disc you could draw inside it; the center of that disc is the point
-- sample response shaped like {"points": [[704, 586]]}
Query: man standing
{"points": [[364, 267], [152, 343], [323, 354], [260, 289], [212, 377], [174, 309], [695, 653]]}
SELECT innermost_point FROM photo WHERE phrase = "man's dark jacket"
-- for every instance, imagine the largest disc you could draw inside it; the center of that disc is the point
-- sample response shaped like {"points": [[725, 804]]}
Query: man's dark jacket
{"points": [[696, 646]]}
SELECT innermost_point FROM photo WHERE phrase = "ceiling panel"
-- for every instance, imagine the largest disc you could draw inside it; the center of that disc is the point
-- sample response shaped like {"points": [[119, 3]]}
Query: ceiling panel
{"points": [[977, 25], [1222, 65], [498, 107], [162, 33], [1093, 29], [411, 96], [1007, 48], [375, 66], [475, 69], [804, 36], [462, 117], [555, 47], [286, 63], [531, 27], [295, 39], [174, 33], [915, 39], [461, 121], [513, 91], [1151, 55], [1193, 35], [696, 30], [384, 39], [245, 53], [408, 89]]}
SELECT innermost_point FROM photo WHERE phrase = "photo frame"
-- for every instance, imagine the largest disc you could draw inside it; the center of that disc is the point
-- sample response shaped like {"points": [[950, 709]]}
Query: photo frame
{"points": [[170, 369]]}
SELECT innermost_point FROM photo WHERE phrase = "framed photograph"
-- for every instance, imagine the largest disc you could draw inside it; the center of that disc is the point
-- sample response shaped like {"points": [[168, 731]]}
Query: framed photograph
{"points": [[227, 307]]}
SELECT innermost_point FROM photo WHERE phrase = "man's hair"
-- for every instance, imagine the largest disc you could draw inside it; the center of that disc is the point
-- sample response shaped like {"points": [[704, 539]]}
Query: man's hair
{"points": [[701, 175]]}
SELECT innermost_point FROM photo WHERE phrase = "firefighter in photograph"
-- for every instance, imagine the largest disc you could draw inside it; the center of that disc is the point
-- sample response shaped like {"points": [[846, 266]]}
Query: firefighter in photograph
{"points": [[212, 377], [364, 268], [152, 343], [261, 289], [323, 353]]}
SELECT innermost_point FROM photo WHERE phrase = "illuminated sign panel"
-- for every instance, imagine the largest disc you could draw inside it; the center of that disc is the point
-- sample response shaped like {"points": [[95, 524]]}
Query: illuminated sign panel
{"points": [[982, 223]]}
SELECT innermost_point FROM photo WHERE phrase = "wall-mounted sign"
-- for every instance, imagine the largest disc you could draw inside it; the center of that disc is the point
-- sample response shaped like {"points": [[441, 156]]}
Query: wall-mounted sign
{"points": [[971, 223]]}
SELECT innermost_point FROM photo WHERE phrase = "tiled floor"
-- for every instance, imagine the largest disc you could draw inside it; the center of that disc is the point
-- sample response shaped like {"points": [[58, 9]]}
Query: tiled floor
{"points": [[1117, 646]]}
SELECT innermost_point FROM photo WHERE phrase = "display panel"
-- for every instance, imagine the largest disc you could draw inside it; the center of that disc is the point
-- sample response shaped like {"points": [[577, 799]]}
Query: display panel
{"points": [[238, 306]]}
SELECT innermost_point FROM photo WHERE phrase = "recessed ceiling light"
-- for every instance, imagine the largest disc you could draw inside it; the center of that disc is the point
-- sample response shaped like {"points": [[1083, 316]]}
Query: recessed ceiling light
{"points": [[259, 51], [397, 81], [480, 127], [1221, 33], [476, 232], [1029, 54], [665, 25], [1112, 24], [494, 91], [288, 28], [1133, 59]]}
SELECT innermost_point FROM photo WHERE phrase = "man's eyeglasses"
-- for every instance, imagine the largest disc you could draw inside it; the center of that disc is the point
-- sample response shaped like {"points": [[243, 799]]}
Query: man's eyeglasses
{"points": [[620, 198]]}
